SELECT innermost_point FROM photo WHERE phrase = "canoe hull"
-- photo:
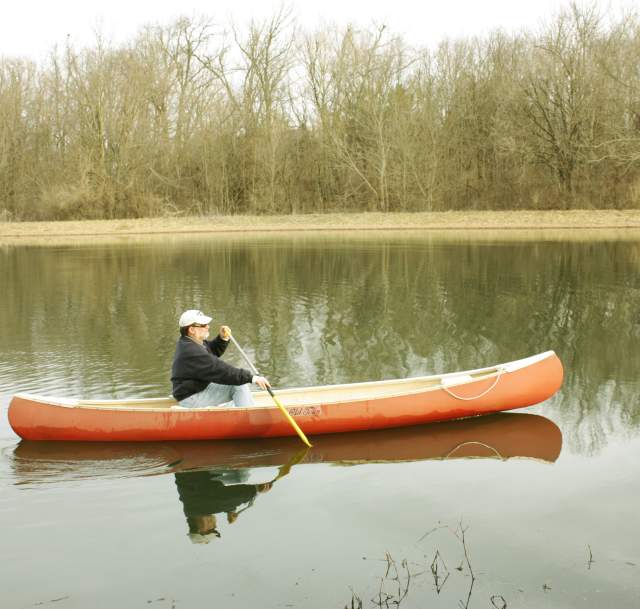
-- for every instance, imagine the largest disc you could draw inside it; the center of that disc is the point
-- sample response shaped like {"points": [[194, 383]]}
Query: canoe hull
{"points": [[37, 419]]}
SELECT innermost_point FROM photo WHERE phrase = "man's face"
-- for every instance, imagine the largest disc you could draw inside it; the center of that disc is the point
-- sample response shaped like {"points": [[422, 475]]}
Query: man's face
{"points": [[205, 523], [199, 331]]}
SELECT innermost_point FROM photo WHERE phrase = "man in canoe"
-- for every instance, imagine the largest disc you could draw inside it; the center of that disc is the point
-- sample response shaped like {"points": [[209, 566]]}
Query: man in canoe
{"points": [[199, 377]]}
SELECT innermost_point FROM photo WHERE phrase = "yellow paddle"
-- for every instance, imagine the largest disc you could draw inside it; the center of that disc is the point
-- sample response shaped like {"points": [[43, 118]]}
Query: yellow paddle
{"points": [[284, 469], [275, 399]]}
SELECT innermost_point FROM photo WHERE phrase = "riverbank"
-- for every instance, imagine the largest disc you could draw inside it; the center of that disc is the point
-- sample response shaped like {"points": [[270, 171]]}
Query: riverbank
{"points": [[466, 220]]}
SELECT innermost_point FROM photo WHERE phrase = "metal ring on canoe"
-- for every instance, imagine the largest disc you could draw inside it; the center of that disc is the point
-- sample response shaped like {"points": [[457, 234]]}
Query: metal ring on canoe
{"points": [[475, 397]]}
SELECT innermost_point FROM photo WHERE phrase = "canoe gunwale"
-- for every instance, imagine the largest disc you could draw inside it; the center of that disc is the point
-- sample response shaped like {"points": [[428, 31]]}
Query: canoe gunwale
{"points": [[466, 378]]}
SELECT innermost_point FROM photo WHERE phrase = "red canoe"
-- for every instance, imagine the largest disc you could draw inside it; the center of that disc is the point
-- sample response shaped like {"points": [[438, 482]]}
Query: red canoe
{"points": [[318, 410]]}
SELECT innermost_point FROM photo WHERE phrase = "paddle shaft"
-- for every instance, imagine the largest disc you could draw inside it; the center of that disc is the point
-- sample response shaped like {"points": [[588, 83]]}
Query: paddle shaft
{"points": [[275, 399]]}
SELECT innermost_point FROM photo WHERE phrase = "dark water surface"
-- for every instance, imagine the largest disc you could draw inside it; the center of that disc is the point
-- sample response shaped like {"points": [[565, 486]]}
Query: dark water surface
{"points": [[532, 509]]}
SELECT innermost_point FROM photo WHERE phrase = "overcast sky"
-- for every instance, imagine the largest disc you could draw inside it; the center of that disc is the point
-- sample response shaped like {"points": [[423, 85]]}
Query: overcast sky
{"points": [[31, 27]]}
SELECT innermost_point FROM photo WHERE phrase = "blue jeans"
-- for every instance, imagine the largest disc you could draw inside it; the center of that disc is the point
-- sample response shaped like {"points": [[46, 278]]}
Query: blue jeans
{"points": [[220, 395]]}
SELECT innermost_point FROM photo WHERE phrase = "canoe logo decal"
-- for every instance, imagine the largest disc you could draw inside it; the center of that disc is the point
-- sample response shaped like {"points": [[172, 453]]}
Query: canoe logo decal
{"points": [[305, 411]]}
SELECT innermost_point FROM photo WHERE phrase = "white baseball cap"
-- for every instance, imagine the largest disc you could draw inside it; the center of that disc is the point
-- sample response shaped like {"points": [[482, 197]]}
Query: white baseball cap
{"points": [[193, 316]]}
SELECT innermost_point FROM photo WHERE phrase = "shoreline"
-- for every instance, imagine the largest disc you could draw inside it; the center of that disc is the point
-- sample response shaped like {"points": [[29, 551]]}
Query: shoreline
{"points": [[324, 223]]}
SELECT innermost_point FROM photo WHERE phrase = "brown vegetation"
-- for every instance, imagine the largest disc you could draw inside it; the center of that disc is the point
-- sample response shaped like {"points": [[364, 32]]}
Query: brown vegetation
{"points": [[190, 119], [557, 225]]}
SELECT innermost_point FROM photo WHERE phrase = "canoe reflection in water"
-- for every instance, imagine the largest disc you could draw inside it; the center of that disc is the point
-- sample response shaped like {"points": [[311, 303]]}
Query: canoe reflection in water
{"points": [[219, 477]]}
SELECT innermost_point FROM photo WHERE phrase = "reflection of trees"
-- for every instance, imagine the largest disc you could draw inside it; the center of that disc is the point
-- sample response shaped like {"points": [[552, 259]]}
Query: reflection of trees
{"points": [[329, 311]]}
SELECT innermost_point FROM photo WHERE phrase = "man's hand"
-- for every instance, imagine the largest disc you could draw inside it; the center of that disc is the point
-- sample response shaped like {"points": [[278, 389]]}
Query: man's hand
{"points": [[225, 332], [262, 382]]}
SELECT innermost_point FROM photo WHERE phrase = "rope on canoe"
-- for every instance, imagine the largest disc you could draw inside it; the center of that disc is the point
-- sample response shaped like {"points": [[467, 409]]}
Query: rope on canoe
{"points": [[459, 446], [475, 397]]}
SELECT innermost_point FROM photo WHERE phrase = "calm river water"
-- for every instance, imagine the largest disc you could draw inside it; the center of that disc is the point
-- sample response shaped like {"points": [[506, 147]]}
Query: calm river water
{"points": [[533, 509]]}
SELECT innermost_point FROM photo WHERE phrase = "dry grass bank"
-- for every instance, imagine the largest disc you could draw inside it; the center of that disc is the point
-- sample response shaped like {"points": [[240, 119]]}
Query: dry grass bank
{"points": [[481, 220], [490, 225]]}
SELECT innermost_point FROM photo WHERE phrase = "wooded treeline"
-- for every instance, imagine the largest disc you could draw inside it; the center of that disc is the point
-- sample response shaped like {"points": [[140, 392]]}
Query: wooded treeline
{"points": [[191, 118]]}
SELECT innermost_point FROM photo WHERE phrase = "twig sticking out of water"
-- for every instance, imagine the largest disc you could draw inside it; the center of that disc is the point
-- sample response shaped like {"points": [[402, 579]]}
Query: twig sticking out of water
{"points": [[53, 600], [461, 537], [395, 582], [356, 601], [393, 600], [433, 530], [438, 579], [590, 561]]}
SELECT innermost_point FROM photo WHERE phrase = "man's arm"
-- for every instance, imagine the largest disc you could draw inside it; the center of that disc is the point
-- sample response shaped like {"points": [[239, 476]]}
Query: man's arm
{"points": [[218, 345]]}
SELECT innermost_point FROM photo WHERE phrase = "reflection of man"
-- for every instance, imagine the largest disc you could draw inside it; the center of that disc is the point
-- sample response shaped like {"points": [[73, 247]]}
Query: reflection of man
{"points": [[207, 493]]}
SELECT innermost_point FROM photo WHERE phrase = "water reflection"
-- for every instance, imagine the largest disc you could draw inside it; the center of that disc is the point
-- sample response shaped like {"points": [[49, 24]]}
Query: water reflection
{"points": [[35, 464], [500, 436], [206, 494], [101, 320], [220, 480], [217, 481]]}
